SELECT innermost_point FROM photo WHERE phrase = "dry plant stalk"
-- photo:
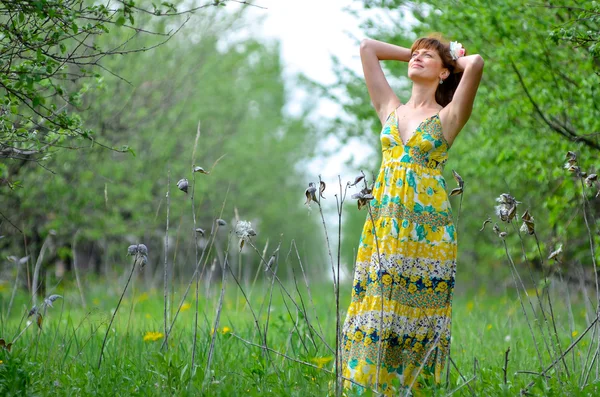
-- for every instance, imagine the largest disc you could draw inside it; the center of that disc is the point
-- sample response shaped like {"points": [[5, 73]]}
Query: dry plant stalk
{"points": [[140, 253]]}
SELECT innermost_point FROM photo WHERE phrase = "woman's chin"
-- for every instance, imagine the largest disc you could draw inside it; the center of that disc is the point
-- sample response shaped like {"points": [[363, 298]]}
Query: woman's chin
{"points": [[417, 77]]}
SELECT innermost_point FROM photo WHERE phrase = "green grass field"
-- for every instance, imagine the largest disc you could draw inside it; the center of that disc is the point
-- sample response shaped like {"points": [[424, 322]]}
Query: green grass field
{"points": [[61, 357]]}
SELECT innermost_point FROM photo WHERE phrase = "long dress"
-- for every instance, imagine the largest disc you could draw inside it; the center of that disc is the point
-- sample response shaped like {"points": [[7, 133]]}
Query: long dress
{"points": [[400, 311]]}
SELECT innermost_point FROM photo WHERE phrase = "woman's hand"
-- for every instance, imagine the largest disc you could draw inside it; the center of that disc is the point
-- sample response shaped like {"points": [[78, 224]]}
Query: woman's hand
{"points": [[463, 62]]}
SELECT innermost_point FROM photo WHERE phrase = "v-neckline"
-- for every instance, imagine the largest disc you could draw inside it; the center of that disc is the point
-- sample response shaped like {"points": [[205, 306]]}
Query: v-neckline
{"points": [[416, 129]]}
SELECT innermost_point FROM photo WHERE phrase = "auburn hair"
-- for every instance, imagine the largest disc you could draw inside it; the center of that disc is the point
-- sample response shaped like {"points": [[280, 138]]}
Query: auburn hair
{"points": [[445, 91]]}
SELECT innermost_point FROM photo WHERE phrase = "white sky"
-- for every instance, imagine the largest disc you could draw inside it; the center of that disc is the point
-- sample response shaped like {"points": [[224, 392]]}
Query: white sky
{"points": [[310, 32]]}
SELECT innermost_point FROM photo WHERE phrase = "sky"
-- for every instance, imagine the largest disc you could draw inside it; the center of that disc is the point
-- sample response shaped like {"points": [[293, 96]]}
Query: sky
{"points": [[310, 32]]}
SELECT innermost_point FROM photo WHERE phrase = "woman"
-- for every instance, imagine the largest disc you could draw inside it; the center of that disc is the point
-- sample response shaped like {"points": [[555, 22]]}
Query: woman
{"points": [[398, 322]]}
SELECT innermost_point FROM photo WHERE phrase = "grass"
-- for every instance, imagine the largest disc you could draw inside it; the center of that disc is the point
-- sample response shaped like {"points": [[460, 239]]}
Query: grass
{"points": [[61, 358]]}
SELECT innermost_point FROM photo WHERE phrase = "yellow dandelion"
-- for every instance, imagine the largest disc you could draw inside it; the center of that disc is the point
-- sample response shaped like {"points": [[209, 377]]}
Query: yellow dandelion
{"points": [[152, 336], [489, 326], [226, 330], [143, 297], [574, 334], [185, 306], [1, 362], [321, 361], [470, 306], [148, 316], [96, 301]]}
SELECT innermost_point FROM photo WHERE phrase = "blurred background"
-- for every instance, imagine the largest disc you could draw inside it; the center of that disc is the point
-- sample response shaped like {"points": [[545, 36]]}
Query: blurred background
{"points": [[267, 96]]}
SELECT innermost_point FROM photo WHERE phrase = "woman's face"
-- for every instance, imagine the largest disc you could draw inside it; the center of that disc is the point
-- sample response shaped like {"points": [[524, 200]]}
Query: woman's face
{"points": [[426, 64]]}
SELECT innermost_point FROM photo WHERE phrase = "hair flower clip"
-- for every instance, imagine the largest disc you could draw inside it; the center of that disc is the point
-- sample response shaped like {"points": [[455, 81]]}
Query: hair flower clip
{"points": [[456, 50]]}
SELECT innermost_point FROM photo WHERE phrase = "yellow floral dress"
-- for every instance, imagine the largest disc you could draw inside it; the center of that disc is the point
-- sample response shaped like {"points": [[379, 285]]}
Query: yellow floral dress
{"points": [[400, 311]]}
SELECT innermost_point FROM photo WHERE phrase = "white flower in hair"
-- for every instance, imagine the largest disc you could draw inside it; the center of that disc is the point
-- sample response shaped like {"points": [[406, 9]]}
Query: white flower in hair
{"points": [[456, 50]]}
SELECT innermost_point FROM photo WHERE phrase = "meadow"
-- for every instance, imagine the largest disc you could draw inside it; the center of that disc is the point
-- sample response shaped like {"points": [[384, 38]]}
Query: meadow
{"points": [[61, 355]]}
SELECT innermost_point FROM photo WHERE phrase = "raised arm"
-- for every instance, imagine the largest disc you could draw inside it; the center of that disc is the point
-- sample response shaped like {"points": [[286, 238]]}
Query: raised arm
{"points": [[456, 114], [371, 52]]}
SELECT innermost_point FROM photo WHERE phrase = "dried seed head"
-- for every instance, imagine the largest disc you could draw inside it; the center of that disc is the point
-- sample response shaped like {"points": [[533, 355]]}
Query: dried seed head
{"points": [[201, 170], [310, 194], [363, 197], [243, 229], [221, 222], [590, 179], [33, 311], [502, 235], [527, 216], [16, 260], [132, 249], [488, 220], [141, 253], [506, 210], [554, 255], [523, 228], [572, 169], [456, 191], [357, 179], [142, 249], [200, 231], [496, 229], [5, 345], [458, 180], [48, 301], [321, 189], [183, 185]]}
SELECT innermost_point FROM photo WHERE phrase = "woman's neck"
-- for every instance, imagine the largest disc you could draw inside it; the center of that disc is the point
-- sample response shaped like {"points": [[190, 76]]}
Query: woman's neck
{"points": [[422, 96]]}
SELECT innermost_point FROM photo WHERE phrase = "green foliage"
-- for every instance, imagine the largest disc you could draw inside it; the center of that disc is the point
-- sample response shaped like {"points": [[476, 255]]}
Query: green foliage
{"points": [[538, 99], [47, 45], [210, 78]]}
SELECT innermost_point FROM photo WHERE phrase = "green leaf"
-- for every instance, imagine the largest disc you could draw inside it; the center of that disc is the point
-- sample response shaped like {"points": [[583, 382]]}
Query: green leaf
{"points": [[120, 21], [75, 28]]}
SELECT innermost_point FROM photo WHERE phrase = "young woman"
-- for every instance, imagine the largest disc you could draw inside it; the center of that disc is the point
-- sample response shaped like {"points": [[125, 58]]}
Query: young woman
{"points": [[398, 322]]}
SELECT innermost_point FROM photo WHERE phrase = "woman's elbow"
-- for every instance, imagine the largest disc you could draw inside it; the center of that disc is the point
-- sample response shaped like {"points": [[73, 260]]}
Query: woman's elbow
{"points": [[478, 61], [364, 44]]}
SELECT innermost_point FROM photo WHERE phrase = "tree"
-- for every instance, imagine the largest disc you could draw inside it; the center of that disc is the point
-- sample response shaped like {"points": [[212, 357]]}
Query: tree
{"points": [[538, 99], [232, 85], [47, 47]]}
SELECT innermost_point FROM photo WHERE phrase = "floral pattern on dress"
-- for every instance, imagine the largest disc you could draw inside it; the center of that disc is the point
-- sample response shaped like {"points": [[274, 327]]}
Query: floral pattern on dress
{"points": [[400, 311]]}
